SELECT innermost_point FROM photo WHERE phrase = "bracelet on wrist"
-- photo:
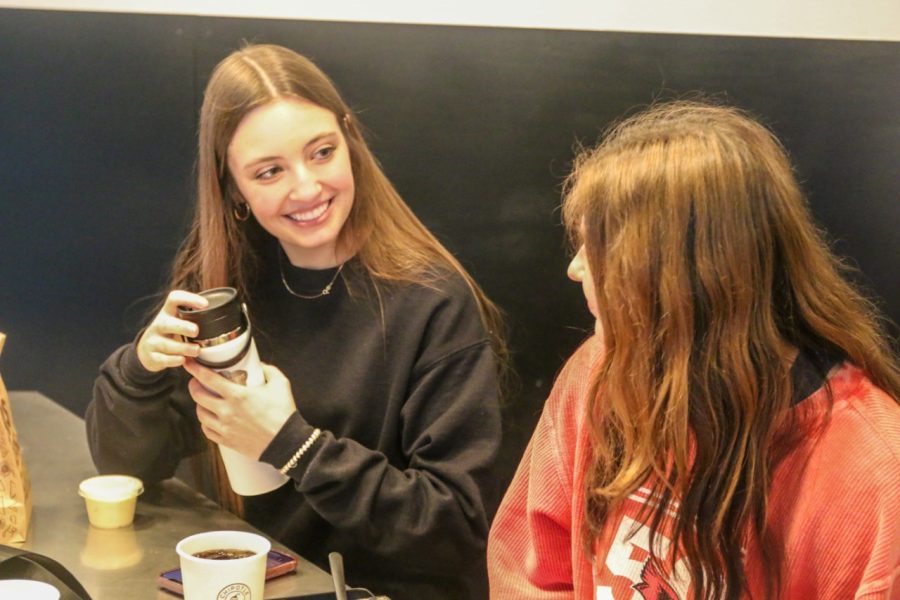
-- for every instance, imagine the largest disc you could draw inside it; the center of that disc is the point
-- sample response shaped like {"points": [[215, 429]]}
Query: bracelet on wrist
{"points": [[300, 451]]}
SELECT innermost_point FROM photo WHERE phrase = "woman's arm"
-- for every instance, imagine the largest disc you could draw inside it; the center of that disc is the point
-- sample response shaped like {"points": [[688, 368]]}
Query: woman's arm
{"points": [[530, 544], [139, 422], [535, 550], [437, 509]]}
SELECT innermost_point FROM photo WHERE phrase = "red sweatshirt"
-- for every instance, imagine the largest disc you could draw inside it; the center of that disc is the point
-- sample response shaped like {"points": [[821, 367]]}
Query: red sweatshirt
{"points": [[834, 503]]}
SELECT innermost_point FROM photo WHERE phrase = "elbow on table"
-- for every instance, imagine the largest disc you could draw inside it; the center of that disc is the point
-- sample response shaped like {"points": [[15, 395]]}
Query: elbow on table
{"points": [[128, 457]]}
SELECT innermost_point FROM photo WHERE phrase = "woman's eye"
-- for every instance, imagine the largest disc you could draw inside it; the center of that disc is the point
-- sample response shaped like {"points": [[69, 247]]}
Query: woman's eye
{"points": [[324, 152], [267, 173]]}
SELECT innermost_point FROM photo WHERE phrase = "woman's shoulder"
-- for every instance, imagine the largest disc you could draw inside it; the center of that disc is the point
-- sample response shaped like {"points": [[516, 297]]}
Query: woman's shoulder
{"points": [[436, 312], [860, 430], [576, 372], [845, 480], [439, 290], [867, 412], [436, 281], [569, 396]]}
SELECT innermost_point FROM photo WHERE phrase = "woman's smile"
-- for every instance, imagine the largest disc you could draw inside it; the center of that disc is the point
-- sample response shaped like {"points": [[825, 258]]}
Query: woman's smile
{"points": [[291, 163], [312, 216]]}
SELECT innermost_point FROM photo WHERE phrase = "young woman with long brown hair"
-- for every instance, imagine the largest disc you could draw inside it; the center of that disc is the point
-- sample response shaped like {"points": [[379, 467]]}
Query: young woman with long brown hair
{"points": [[733, 429], [381, 354]]}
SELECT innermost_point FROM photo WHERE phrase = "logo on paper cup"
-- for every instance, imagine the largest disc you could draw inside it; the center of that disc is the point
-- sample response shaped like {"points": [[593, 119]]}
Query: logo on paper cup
{"points": [[234, 591]]}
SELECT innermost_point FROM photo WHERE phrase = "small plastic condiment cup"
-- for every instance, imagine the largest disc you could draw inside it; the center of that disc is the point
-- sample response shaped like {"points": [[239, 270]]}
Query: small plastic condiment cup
{"points": [[110, 499]]}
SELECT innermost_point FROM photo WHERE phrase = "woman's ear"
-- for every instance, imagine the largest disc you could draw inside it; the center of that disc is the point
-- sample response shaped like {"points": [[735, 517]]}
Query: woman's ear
{"points": [[349, 125]]}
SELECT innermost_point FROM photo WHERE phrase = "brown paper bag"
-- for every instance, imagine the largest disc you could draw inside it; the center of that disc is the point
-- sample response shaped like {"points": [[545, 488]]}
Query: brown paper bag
{"points": [[15, 487]]}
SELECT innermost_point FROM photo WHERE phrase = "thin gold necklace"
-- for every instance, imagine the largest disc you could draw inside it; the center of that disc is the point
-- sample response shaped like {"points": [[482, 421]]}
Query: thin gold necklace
{"points": [[325, 291]]}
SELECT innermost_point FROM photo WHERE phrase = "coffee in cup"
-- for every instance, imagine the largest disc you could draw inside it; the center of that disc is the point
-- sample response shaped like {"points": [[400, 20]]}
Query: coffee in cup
{"points": [[230, 564]]}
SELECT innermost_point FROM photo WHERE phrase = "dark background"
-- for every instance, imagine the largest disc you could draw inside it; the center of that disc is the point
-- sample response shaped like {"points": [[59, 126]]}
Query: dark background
{"points": [[475, 126]]}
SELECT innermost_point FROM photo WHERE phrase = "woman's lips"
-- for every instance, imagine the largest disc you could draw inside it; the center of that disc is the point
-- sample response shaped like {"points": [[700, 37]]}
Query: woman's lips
{"points": [[311, 216]]}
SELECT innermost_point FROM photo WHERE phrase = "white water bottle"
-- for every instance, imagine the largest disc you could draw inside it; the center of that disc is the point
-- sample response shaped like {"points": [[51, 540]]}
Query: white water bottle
{"points": [[227, 346]]}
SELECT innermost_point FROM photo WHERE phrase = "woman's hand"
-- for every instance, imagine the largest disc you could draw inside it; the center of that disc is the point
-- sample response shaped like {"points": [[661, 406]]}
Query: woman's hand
{"points": [[161, 345], [242, 418]]}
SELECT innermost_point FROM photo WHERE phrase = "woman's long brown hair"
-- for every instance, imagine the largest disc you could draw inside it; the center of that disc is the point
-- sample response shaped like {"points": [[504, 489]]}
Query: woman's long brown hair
{"points": [[708, 272], [389, 240]]}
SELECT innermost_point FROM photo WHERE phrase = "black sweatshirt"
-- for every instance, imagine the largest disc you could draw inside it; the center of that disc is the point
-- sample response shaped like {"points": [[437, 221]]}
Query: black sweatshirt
{"points": [[402, 480]]}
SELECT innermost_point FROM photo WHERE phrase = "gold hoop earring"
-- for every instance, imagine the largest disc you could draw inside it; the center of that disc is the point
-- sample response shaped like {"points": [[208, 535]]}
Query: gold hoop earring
{"points": [[241, 211]]}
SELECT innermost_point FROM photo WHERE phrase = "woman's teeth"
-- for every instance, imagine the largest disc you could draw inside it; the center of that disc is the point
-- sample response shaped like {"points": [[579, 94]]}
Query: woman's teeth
{"points": [[309, 215]]}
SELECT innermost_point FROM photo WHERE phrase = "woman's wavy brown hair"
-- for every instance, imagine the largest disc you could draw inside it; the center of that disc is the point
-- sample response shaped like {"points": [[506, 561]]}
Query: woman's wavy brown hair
{"points": [[709, 274], [389, 240]]}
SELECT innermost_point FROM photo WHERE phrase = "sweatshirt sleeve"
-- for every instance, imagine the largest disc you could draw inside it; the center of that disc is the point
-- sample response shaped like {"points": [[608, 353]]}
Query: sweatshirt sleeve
{"points": [[139, 422], [451, 434], [529, 549], [535, 550]]}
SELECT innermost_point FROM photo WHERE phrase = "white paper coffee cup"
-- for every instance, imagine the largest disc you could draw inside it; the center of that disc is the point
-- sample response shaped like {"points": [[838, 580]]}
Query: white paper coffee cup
{"points": [[223, 579], [24, 588]]}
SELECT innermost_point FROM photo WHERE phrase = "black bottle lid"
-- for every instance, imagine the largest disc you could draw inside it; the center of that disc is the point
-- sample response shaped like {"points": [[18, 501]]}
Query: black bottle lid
{"points": [[223, 314]]}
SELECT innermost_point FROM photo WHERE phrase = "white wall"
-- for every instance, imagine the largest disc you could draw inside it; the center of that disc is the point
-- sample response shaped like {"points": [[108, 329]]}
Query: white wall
{"points": [[842, 19]]}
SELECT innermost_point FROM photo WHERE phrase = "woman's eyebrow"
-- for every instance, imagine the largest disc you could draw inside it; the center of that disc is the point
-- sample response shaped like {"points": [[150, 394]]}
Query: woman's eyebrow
{"points": [[315, 140]]}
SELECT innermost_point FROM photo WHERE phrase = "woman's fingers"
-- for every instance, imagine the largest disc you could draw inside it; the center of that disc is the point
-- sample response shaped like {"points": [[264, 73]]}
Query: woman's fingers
{"points": [[166, 345], [166, 361], [214, 414], [163, 344], [168, 325], [181, 298], [210, 381], [208, 424]]}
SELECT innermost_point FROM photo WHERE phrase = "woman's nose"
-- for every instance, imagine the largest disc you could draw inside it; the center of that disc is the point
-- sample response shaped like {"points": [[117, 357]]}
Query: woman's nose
{"points": [[306, 185], [576, 266]]}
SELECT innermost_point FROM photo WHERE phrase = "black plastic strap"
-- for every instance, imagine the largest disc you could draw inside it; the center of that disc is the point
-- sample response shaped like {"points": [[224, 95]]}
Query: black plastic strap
{"points": [[21, 564]]}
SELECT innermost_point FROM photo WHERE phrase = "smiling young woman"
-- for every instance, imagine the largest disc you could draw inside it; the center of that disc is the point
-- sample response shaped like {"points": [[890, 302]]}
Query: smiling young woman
{"points": [[383, 356], [290, 162]]}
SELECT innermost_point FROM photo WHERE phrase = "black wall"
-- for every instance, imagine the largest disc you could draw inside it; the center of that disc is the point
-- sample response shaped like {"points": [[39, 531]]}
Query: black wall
{"points": [[474, 125]]}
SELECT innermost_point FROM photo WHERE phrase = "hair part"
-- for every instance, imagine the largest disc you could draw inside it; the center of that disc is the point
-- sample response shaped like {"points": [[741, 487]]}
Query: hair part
{"points": [[708, 272]]}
